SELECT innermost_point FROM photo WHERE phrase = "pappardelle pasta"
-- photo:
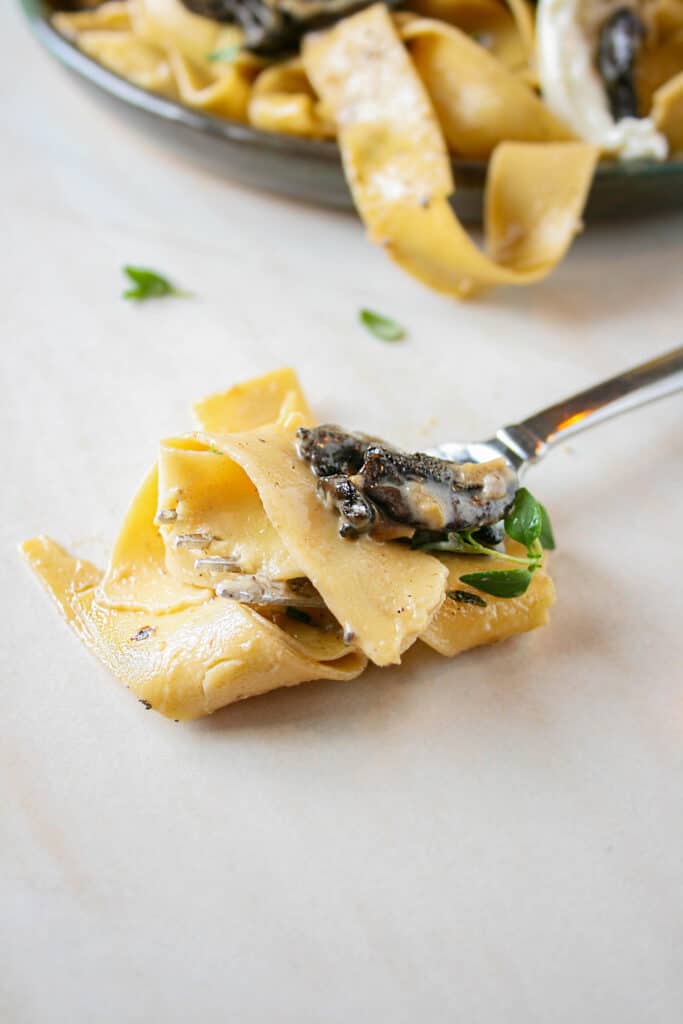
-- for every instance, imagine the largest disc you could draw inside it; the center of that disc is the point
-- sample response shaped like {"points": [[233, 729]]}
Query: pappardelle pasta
{"points": [[541, 91], [231, 577]]}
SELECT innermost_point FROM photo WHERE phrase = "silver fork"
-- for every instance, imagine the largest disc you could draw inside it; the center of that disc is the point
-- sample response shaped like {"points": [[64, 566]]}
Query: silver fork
{"points": [[523, 444]]}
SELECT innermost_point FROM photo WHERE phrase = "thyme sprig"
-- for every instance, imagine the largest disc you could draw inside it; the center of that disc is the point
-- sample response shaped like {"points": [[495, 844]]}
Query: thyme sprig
{"points": [[528, 523]]}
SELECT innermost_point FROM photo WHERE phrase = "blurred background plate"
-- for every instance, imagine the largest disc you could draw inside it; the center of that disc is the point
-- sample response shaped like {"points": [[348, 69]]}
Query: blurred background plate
{"points": [[311, 170]]}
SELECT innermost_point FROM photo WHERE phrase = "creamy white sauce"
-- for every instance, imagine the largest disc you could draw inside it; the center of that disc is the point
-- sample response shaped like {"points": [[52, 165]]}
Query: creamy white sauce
{"points": [[431, 501], [495, 477], [566, 40]]}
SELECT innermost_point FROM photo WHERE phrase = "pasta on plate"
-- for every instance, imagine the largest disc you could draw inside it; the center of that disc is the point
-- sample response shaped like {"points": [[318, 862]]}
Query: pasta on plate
{"points": [[234, 503], [540, 91]]}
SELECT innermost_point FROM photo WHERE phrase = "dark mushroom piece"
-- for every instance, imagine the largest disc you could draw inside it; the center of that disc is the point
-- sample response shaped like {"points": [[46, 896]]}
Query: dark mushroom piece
{"points": [[331, 450], [274, 26], [621, 38], [375, 488]]}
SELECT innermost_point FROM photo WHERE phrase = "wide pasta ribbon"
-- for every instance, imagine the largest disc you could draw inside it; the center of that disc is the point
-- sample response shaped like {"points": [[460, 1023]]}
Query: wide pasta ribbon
{"points": [[667, 112], [505, 29], [478, 101], [161, 46], [398, 169], [282, 100]]}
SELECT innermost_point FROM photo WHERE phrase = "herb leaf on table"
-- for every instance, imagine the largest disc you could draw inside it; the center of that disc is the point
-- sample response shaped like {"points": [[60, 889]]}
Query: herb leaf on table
{"points": [[383, 327], [149, 285]]}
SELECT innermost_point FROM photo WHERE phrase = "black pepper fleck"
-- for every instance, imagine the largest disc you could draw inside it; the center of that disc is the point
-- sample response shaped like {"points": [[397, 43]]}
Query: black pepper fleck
{"points": [[466, 597]]}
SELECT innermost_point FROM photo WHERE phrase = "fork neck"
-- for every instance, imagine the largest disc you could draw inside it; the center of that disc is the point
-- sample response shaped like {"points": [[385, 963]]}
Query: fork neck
{"points": [[528, 441], [520, 446]]}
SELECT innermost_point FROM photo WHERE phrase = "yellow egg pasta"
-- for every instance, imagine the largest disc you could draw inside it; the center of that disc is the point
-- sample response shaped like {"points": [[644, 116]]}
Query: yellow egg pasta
{"points": [[478, 102], [215, 90], [136, 577], [188, 663], [282, 100], [458, 626], [112, 16], [214, 498], [490, 23], [667, 112], [252, 404], [396, 164], [106, 34], [480, 77], [158, 624]]}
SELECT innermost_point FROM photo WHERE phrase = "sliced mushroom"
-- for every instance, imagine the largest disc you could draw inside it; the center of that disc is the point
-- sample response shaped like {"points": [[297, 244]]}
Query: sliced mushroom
{"points": [[375, 488], [271, 26]]}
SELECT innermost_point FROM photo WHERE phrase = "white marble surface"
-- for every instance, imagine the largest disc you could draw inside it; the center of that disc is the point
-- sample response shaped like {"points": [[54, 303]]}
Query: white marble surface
{"points": [[496, 839]]}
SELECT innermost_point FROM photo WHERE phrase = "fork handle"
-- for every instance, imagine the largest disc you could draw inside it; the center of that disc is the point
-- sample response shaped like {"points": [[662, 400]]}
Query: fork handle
{"points": [[533, 437]]}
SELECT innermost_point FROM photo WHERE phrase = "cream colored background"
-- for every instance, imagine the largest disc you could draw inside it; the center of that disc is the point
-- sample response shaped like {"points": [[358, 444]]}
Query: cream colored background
{"points": [[497, 839]]}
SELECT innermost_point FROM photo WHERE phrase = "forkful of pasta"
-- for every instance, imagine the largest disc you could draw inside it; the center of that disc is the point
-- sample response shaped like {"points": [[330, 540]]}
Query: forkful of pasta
{"points": [[264, 550], [456, 497]]}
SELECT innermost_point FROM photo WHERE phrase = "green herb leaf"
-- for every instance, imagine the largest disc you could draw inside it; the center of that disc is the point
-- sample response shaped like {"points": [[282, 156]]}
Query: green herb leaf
{"points": [[225, 56], [296, 613], [148, 285], [523, 523], [499, 583], [546, 535], [456, 544], [381, 326], [466, 597]]}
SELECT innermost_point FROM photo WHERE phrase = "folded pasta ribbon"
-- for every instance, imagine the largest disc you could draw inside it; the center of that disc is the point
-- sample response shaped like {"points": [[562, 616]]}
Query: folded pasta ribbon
{"points": [[282, 100], [667, 112], [161, 46], [397, 164], [505, 29]]}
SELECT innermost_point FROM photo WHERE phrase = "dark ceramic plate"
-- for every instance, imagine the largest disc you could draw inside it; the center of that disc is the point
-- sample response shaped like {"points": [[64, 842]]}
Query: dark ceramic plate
{"points": [[310, 170]]}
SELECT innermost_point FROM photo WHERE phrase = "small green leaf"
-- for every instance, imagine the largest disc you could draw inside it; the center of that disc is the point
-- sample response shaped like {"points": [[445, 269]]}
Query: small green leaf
{"points": [[503, 583], [523, 522], [546, 535], [296, 613], [454, 545], [381, 326], [149, 285], [466, 597], [227, 55]]}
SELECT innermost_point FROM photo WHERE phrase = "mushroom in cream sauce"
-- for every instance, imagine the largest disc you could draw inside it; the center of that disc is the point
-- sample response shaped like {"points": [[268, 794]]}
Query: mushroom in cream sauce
{"points": [[586, 51], [621, 37], [273, 26], [376, 489]]}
